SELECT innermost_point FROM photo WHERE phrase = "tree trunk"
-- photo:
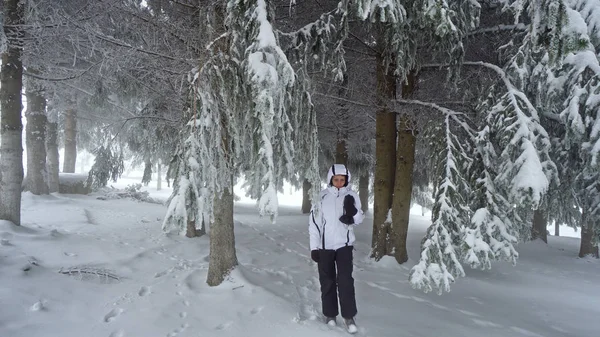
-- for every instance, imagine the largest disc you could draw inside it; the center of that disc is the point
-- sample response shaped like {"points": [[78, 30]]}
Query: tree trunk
{"points": [[222, 240], [70, 141], [538, 230], [587, 235], [341, 148], [11, 128], [405, 162], [306, 205], [147, 176], [158, 176], [385, 157], [191, 229], [363, 191], [35, 140], [52, 151], [556, 228], [222, 237]]}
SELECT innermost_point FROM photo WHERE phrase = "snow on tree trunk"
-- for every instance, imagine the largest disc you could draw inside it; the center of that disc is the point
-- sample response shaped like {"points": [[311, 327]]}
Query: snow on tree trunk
{"points": [[11, 81], [385, 157], [35, 140], [52, 151], [70, 141], [538, 230], [222, 240], [363, 191]]}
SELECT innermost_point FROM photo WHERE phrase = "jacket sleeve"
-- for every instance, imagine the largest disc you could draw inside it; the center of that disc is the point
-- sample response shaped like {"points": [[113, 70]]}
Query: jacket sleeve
{"points": [[314, 228], [360, 215]]}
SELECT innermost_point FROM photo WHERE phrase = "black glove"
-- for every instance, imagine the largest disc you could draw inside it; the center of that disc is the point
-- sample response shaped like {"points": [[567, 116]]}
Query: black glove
{"points": [[349, 208], [347, 219], [314, 255]]}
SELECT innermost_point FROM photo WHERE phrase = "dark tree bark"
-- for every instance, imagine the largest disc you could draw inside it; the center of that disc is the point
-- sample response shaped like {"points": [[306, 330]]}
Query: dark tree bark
{"points": [[538, 230], [405, 161], [363, 191], [11, 128], [306, 204], [222, 237], [587, 246], [385, 156]]}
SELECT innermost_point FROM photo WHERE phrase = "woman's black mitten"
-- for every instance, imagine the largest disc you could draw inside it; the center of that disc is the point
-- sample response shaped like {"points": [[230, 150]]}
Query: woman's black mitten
{"points": [[314, 255], [349, 208], [347, 219]]}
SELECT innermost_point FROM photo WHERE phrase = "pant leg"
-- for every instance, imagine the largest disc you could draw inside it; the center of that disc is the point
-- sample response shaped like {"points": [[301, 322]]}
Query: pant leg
{"points": [[346, 281], [327, 278]]}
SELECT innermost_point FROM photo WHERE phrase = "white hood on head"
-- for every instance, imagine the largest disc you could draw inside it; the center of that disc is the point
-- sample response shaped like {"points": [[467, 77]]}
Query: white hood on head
{"points": [[338, 169]]}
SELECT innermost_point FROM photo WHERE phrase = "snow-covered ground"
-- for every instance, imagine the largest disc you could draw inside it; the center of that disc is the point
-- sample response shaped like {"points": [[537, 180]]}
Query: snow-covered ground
{"points": [[80, 266]]}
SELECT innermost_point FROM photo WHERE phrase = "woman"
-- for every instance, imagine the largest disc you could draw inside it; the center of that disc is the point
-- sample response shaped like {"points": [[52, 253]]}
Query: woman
{"points": [[331, 229]]}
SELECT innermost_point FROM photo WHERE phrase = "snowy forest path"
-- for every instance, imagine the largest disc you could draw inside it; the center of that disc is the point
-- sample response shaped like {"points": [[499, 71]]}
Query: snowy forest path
{"points": [[119, 270]]}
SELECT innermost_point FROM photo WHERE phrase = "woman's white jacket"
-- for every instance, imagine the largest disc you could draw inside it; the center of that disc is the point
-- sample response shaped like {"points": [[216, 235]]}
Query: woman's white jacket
{"points": [[325, 228]]}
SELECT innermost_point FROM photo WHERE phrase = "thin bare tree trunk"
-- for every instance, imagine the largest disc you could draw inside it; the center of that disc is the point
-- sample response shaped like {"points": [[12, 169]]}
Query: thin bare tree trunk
{"points": [[586, 246], [52, 151], [35, 140], [306, 204], [538, 230], [70, 141], [158, 176], [363, 191], [11, 128], [385, 157], [556, 228], [405, 161]]}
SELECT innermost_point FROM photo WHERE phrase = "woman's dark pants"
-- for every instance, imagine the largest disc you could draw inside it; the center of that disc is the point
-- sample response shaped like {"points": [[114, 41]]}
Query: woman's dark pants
{"points": [[332, 282]]}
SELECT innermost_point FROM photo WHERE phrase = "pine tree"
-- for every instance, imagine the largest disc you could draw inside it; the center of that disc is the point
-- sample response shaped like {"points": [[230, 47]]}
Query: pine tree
{"points": [[247, 96], [439, 262]]}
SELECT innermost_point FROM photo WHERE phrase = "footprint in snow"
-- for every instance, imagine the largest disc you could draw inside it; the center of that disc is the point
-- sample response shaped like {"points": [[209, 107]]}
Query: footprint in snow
{"points": [[256, 310], [144, 291], [69, 254], [224, 326], [38, 306], [183, 314], [178, 330], [112, 314], [118, 333]]}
